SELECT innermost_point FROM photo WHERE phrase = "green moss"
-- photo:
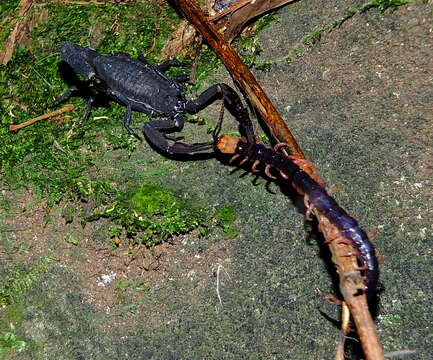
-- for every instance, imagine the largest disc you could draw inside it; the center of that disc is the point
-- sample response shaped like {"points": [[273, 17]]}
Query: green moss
{"points": [[226, 217], [150, 214], [21, 281], [71, 240], [10, 342], [208, 63], [249, 46], [7, 8]]}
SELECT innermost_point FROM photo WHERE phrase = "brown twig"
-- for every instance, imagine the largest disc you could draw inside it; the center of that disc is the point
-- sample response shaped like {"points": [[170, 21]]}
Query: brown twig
{"points": [[66, 108], [350, 278]]}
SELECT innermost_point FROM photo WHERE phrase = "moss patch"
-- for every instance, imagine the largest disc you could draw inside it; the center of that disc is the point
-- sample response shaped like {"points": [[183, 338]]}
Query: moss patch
{"points": [[152, 212]]}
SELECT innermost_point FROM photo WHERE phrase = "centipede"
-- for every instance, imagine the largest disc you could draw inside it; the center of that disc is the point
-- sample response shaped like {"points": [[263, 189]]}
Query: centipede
{"points": [[315, 197]]}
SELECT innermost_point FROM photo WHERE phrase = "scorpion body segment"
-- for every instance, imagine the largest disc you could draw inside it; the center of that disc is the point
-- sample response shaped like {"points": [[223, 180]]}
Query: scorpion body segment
{"points": [[317, 196]]}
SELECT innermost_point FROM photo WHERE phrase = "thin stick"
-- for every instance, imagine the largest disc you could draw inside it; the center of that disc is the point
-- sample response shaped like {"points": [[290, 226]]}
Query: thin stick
{"points": [[66, 108], [218, 284]]}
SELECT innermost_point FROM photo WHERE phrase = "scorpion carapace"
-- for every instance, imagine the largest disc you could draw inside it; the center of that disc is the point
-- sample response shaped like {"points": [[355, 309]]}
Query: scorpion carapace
{"points": [[142, 86], [316, 196]]}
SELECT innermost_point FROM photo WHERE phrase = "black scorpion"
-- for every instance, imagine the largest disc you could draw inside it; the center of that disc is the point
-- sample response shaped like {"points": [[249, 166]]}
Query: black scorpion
{"points": [[142, 86]]}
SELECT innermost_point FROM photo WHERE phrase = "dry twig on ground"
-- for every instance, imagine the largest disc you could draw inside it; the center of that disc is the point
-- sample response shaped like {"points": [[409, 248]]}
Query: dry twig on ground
{"points": [[66, 108]]}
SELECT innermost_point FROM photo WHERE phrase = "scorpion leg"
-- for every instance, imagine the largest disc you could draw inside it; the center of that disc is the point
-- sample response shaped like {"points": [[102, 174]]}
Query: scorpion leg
{"points": [[181, 78], [128, 112], [168, 64], [127, 121], [163, 66], [86, 116], [68, 92]]}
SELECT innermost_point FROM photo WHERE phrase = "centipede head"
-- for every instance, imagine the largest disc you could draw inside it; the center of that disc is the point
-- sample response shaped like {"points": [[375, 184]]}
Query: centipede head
{"points": [[226, 144]]}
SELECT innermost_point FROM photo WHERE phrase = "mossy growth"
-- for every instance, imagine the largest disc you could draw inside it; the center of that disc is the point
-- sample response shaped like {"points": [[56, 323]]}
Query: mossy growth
{"points": [[21, 281], [151, 214], [12, 298], [226, 217], [10, 342], [249, 46]]}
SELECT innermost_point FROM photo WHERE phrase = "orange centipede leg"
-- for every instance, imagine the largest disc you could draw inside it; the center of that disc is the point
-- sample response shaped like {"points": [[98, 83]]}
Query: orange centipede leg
{"points": [[310, 208], [254, 167], [234, 157], [268, 173], [243, 161]]}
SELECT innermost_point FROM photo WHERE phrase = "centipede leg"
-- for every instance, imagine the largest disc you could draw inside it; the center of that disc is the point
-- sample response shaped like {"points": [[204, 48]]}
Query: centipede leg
{"points": [[254, 167], [338, 236], [268, 173], [310, 208], [281, 145], [234, 157], [283, 175], [329, 297], [344, 241], [243, 161]]}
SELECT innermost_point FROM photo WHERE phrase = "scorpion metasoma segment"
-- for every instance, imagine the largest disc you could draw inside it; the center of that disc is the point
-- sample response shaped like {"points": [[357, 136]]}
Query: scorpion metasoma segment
{"points": [[142, 86], [316, 197]]}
